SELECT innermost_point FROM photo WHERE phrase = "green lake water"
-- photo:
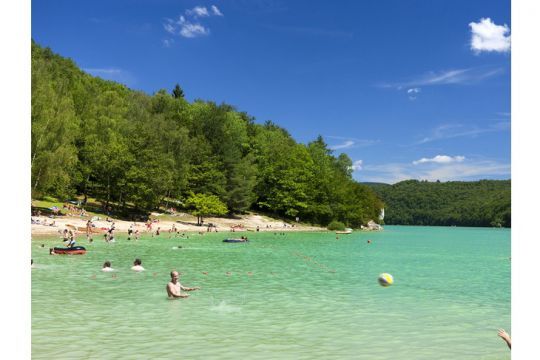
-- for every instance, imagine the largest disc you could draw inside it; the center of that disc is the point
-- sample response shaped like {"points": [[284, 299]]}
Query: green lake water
{"points": [[292, 296]]}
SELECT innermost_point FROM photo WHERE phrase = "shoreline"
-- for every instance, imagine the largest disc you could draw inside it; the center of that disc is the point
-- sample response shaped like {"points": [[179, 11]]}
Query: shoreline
{"points": [[244, 223]]}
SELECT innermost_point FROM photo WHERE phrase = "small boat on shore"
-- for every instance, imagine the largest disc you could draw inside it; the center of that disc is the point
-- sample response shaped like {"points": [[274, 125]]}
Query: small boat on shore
{"points": [[235, 240], [346, 231], [76, 250]]}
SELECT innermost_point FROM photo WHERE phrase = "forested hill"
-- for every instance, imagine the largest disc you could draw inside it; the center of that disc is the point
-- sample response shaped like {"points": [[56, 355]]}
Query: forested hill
{"points": [[134, 151], [476, 203]]}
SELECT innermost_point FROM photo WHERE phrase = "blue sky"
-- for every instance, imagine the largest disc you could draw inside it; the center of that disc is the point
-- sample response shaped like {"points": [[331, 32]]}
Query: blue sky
{"points": [[408, 89]]}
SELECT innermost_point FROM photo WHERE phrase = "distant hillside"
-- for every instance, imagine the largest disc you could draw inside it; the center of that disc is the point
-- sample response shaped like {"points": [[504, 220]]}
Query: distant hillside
{"points": [[375, 183], [477, 203]]}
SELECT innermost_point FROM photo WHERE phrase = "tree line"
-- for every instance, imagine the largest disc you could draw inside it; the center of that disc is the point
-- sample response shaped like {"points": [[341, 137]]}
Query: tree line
{"points": [[97, 138], [475, 203]]}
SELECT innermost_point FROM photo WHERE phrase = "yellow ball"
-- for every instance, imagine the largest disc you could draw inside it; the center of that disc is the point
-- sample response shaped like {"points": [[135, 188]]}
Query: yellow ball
{"points": [[386, 279]]}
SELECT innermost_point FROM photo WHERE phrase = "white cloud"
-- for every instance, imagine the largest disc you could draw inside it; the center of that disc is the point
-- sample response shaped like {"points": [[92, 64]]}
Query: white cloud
{"points": [[413, 93], [357, 165], [189, 26], [469, 170], [349, 142], [168, 42], [447, 77], [216, 11], [190, 30], [345, 145], [440, 159], [169, 27], [449, 131], [198, 11], [487, 36]]}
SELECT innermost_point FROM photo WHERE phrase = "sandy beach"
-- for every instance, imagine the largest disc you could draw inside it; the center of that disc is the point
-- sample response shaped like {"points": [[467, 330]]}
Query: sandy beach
{"points": [[241, 223]]}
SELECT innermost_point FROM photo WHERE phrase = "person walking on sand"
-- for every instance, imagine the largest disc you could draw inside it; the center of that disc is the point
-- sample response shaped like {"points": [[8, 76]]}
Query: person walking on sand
{"points": [[174, 288], [137, 265]]}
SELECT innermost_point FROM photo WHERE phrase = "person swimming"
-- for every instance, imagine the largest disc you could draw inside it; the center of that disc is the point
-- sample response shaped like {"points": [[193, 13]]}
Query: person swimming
{"points": [[137, 265], [107, 267]]}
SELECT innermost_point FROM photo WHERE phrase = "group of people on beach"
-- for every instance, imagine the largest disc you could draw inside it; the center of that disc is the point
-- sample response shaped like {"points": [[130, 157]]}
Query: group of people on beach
{"points": [[74, 210], [44, 222]]}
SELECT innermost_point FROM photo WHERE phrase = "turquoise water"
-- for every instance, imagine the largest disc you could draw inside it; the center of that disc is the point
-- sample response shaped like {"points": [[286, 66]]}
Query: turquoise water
{"points": [[293, 296]]}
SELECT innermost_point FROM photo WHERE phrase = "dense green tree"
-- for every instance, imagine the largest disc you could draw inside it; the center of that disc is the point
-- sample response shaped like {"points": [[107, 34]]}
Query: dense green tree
{"points": [[55, 126], [178, 92], [203, 205]]}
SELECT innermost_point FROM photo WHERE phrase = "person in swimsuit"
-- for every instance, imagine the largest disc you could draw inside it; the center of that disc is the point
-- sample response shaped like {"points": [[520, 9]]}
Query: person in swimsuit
{"points": [[174, 288]]}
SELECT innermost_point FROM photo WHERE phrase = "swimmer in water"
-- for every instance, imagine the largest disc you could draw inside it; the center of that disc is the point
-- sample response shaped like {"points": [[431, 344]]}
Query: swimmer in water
{"points": [[174, 288], [107, 267], [137, 265]]}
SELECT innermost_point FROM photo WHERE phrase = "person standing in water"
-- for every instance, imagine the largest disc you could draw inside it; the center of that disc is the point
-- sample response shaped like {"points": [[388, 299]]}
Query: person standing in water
{"points": [[71, 239], [88, 227], [65, 236], [130, 231], [174, 288]]}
